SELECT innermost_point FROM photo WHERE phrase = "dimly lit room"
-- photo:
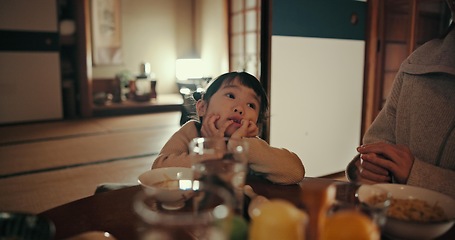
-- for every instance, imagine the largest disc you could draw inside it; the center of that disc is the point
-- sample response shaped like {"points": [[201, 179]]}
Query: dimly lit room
{"points": [[335, 104]]}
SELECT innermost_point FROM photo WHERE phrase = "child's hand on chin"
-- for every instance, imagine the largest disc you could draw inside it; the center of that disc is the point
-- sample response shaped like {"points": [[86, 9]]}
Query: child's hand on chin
{"points": [[209, 128], [248, 129]]}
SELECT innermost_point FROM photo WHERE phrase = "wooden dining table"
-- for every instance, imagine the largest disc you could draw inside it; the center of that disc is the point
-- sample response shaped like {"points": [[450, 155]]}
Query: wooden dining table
{"points": [[112, 211]]}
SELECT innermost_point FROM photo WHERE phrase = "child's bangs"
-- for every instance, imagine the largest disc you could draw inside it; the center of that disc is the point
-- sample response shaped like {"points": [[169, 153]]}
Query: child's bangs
{"points": [[252, 83]]}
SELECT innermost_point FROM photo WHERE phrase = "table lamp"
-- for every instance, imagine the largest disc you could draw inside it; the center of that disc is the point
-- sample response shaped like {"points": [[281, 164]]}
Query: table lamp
{"points": [[188, 68]]}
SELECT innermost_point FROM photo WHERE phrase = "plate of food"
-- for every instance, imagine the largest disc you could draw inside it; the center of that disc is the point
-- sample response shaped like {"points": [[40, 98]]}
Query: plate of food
{"points": [[417, 213], [171, 185]]}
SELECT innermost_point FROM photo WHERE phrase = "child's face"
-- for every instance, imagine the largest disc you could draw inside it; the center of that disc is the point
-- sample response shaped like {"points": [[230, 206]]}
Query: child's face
{"points": [[234, 102]]}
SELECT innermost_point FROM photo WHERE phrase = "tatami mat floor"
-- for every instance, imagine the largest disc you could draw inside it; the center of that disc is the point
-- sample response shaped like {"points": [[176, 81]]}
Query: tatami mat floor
{"points": [[44, 165]]}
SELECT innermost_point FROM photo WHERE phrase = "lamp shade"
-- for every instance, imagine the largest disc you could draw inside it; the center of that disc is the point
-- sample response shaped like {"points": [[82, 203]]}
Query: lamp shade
{"points": [[188, 68]]}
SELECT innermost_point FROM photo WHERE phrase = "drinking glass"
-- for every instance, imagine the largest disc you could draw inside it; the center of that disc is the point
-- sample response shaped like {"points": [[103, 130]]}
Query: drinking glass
{"points": [[371, 200], [207, 215], [223, 162]]}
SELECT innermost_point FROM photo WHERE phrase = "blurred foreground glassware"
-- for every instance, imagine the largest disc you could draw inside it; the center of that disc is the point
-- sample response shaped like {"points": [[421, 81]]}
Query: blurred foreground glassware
{"points": [[223, 162], [343, 210], [371, 200], [25, 226], [207, 215]]}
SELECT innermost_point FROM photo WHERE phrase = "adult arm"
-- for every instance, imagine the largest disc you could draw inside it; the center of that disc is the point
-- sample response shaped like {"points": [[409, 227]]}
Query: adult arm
{"points": [[432, 177], [381, 130], [422, 172]]}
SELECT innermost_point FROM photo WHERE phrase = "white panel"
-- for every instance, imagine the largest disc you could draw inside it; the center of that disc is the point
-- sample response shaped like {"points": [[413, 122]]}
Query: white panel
{"points": [[316, 100], [31, 91], [29, 15]]}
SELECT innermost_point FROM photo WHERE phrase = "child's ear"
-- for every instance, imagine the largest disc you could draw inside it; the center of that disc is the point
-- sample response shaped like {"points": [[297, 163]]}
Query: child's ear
{"points": [[201, 108]]}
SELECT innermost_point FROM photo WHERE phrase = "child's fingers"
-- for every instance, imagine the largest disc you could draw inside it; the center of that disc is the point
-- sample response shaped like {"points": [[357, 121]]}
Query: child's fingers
{"points": [[211, 122], [225, 126], [253, 129], [208, 128], [212, 119], [242, 131], [211, 128], [244, 127]]}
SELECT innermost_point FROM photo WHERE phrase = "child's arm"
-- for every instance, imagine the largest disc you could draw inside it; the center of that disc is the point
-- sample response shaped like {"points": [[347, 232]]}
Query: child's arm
{"points": [[278, 164], [175, 152]]}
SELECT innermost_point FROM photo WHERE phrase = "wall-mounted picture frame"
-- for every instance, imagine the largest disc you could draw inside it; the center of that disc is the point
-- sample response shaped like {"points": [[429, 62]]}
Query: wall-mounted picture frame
{"points": [[106, 32]]}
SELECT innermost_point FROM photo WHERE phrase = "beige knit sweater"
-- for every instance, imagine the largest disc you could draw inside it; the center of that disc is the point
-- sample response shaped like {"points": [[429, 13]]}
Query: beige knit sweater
{"points": [[420, 113], [277, 164]]}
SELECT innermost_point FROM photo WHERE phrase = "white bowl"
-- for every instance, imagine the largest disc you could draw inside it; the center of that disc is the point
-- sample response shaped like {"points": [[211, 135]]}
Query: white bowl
{"points": [[417, 230], [172, 185]]}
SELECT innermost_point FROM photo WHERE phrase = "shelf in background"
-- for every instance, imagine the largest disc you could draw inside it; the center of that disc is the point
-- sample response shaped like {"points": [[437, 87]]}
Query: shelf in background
{"points": [[163, 103], [67, 40]]}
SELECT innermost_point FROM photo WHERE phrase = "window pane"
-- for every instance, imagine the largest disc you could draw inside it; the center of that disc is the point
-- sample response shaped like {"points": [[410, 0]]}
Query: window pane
{"points": [[237, 23], [251, 43], [250, 3], [237, 63], [236, 6], [251, 65], [245, 36], [251, 21], [237, 45]]}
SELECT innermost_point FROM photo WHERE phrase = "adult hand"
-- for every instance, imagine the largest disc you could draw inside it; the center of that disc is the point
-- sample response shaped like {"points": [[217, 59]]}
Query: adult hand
{"points": [[209, 128], [366, 172], [248, 129], [377, 157]]}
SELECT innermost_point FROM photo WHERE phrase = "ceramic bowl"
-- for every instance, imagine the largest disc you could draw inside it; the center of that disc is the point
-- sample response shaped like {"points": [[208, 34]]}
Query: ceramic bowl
{"points": [[412, 229], [171, 185]]}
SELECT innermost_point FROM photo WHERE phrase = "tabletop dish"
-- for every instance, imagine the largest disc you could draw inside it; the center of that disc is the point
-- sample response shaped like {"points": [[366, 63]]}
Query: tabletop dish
{"points": [[172, 184], [414, 229]]}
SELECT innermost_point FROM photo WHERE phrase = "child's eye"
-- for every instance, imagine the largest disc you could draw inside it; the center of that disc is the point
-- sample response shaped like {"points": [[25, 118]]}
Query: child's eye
{"points": [[230, 95], [252, 105]]}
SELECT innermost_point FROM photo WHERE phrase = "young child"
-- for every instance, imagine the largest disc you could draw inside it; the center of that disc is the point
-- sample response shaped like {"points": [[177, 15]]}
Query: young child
{"points": [[233, 105]]}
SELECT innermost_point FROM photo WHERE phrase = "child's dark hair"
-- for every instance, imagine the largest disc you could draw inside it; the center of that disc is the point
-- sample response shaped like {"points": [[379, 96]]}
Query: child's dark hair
{"points": [[246, 80]]}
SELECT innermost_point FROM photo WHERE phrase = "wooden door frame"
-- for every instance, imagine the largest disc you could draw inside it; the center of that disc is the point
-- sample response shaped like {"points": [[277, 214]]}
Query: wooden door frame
{"points": [[266, 36], [371, 87], [84, 48]]}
